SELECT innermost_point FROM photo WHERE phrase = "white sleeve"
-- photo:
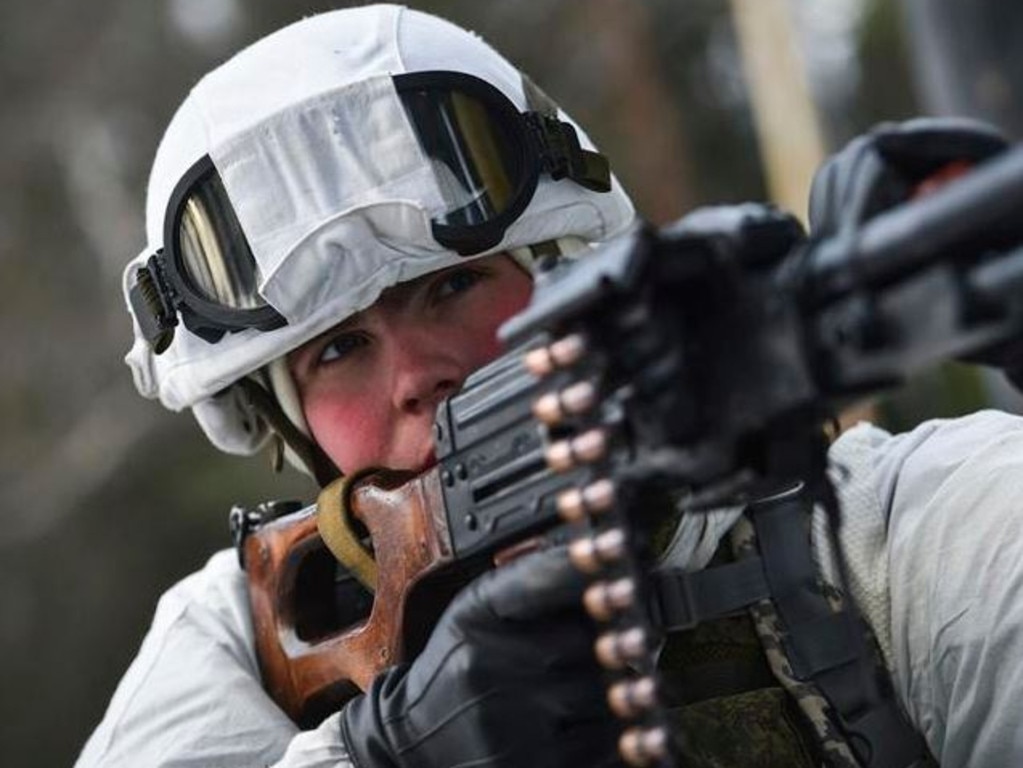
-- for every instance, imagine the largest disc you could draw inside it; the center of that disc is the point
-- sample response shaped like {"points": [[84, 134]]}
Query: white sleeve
{"points": [[952, 492], [192, 696], [863, 533]]}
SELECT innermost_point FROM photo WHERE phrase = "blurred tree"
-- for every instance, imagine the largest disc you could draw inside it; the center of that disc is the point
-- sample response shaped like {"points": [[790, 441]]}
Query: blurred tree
{"points": [[967, 58], [788, 126]]}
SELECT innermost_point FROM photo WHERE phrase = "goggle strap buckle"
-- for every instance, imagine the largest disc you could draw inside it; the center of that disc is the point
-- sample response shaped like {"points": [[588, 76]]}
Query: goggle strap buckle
{"points": [[152, 301], [562, 156]]}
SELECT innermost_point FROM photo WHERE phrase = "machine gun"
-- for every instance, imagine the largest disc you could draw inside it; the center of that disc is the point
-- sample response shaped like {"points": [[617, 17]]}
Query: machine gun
{"points": [[680, 363]]}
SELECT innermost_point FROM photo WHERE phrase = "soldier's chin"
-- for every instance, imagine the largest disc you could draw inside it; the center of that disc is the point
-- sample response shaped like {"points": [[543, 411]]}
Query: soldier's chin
{"points": [[418, 466], [429, 462]]}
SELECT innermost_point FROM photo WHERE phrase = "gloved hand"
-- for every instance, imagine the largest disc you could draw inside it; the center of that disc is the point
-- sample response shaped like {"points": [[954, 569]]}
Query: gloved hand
{"points": [[507, 679], [886, 166]]}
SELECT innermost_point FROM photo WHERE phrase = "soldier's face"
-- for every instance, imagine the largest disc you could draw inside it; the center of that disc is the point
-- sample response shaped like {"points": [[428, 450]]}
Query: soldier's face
{"points": [[370, 386]]}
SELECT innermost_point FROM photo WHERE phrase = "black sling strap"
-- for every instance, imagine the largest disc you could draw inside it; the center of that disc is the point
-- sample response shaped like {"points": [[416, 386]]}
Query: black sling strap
{"points": [[826, 647]]}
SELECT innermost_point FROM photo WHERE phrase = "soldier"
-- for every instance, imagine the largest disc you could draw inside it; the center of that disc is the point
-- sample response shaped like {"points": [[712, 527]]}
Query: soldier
{"points": [[338, 219]]}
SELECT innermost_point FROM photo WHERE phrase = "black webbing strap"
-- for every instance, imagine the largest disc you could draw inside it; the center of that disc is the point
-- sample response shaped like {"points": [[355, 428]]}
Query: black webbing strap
{"points": [[826, 647], [681, 600]]}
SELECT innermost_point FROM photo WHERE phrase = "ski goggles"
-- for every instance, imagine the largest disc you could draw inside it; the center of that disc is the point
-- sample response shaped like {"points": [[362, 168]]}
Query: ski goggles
{"points": [[485, 157]]}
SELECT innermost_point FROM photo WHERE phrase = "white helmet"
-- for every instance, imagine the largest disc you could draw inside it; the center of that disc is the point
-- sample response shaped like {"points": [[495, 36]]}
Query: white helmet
{"points": [[307, 152]]}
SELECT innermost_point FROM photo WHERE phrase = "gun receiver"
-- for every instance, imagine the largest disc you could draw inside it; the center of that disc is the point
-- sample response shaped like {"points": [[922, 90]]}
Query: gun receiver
{"points": [[680, 359]]}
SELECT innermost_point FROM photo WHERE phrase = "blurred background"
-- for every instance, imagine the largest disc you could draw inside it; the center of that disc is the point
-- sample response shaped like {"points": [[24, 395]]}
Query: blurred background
{"points": [[107, 500]]}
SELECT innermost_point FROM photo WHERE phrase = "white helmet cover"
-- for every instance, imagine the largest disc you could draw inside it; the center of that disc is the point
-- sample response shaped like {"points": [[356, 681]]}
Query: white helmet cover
{"points": [[331, 189]]}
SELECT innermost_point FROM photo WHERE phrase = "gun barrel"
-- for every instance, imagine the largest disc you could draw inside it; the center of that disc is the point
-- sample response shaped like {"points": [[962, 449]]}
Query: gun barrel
{"points": [[909, 236], [999, 279]]}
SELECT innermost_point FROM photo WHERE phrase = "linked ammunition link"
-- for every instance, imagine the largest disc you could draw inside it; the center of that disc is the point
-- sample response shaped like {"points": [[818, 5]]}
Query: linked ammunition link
{"points": [[603, 548]]}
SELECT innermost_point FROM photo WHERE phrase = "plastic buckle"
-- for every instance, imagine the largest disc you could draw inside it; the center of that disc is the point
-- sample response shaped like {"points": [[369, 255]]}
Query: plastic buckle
{"points": [[153, 302], [560, 153], [241, 522], [673, 600]]}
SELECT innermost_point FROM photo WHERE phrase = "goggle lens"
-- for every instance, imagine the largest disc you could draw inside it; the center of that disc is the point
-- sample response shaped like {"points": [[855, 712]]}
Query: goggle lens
{"points": [[214, 252], [477, 156]]}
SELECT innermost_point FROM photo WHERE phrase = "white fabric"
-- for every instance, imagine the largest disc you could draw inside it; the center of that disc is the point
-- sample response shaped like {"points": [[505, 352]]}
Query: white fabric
{"points": [[697, 537], [330, 187], [193, 698], [862, 533], [951, 490]]}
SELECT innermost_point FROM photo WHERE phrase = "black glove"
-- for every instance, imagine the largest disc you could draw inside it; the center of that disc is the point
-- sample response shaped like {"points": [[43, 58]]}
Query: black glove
{"points": [[884, 167], [507, 679]]}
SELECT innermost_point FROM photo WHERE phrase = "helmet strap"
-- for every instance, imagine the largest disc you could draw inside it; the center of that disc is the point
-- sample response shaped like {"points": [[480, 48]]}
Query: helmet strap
{"points": [[305, 448]]}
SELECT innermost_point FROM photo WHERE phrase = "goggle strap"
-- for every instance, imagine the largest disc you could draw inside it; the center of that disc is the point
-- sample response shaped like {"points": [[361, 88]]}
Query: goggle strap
{"points": [[537, 99], [152, 301], [210, 332], [593, 171], [560, 152], [562, 157]]}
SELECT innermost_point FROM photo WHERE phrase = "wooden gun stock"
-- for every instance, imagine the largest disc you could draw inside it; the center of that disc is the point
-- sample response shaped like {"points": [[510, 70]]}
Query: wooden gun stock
{"points": [[313, 659]]}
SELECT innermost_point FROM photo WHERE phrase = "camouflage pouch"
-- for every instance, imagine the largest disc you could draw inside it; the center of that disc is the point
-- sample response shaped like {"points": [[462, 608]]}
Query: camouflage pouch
{"points": [[756, 729], [724, 703]]}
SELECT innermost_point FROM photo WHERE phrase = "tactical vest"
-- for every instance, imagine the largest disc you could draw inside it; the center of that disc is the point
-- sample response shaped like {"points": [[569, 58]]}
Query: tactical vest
{"points": [[766, 665]]}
